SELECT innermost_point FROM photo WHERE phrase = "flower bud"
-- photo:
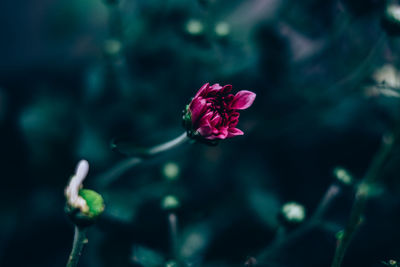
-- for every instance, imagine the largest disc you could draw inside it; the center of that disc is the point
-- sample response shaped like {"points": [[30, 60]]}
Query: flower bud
{"points": [[391, 19], [293, 212], [170, 171], [392, 263], [213, 113], [343, 175], [171, 263], [83, 206], [112, 47], [170, 202], [194, 27], [222, 29]]}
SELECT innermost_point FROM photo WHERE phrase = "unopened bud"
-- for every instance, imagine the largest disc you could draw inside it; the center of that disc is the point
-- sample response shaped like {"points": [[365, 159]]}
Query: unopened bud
{"points": [[170, 202], [293, 212], [83, 206]]}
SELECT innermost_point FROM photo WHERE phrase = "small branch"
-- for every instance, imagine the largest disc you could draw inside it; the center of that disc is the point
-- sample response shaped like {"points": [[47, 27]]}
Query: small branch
{"points": [[168, 145], [282, 238], [77, 246], [120, 168], [173, 232], [374, 172]]}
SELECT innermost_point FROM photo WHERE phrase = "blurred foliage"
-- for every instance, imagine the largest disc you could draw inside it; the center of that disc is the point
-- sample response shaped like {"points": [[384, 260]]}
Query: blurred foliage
{"points": [[75, 75]]}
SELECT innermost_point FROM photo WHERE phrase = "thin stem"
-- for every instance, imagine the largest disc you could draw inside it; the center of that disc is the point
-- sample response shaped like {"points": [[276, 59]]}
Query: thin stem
{"points": [[330, 194], [168, 145], [111, 175], [283, 239], [77, 246], [374, 172], [173, 233]]}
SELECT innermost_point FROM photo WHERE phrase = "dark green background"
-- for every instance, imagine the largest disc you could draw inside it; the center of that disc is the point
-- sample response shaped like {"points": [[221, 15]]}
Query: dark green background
{"points": [[64, 96]]}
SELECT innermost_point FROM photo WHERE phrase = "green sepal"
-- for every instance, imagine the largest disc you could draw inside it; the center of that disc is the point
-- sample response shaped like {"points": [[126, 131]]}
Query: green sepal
{"points": [[96, 206]]}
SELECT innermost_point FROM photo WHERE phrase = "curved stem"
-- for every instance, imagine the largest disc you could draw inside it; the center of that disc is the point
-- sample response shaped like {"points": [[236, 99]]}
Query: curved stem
{"points": [[282, 238], [120, 168], [168, 145], [374, 172], [77, 246], [173, 234]]}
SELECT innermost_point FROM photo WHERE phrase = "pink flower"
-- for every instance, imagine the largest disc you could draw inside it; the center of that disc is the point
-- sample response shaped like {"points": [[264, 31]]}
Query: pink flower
{"points": [[213, 112]]}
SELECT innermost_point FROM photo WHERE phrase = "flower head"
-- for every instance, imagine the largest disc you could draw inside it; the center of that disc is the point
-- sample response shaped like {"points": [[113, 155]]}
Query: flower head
{"points": [[213, 112], [83, 205]]}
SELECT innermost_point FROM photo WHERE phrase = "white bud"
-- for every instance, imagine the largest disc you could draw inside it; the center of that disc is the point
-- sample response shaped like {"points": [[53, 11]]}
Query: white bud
{"points": [[293, 212], [194, 27], [75, 184], [222, 29], [171, 171]]}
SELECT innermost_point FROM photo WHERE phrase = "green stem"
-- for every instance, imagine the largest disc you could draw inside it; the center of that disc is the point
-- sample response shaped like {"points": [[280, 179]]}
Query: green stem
{"points": [[374, 172], [173, 233], [119, 169], [282, 238], [77, 246]]}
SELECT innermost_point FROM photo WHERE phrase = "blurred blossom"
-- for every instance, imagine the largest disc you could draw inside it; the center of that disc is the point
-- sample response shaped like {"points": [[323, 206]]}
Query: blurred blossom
{"points": [[343, 175], [171, 263], [170, 202], [222, 29], [293, 212], [194, 27], [387, 82], [387, 75], [170, 170], [194, 242], [112, 47]]}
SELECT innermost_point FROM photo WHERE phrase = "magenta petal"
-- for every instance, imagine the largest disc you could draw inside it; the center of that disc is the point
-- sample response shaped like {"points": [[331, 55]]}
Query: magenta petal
{"points": [[205, 130], [216, 120], [214, 89], [197, 107], [201, 90], [226, 89], [234, 132], [243, 100]]}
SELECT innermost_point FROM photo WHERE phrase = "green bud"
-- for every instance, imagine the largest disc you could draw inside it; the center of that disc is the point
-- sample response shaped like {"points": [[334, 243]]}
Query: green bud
{"points": [[293, 212], [170, 202], [194, 27], [171, 263], [339, 235], [391, 19], [343, 175], [171, 171], [222, 29], [95, 207], [112, 47]]}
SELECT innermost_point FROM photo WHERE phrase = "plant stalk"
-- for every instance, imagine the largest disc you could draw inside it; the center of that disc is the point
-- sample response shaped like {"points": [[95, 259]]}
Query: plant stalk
{"points": [[77, 246]]}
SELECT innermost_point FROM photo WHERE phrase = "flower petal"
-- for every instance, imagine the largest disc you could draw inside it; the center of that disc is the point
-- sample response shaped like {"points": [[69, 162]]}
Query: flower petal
{"points": [[202, 90], [213, 89], [243, 100], [226, 89], [234, 132], [205, 130], [197, 108]]}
